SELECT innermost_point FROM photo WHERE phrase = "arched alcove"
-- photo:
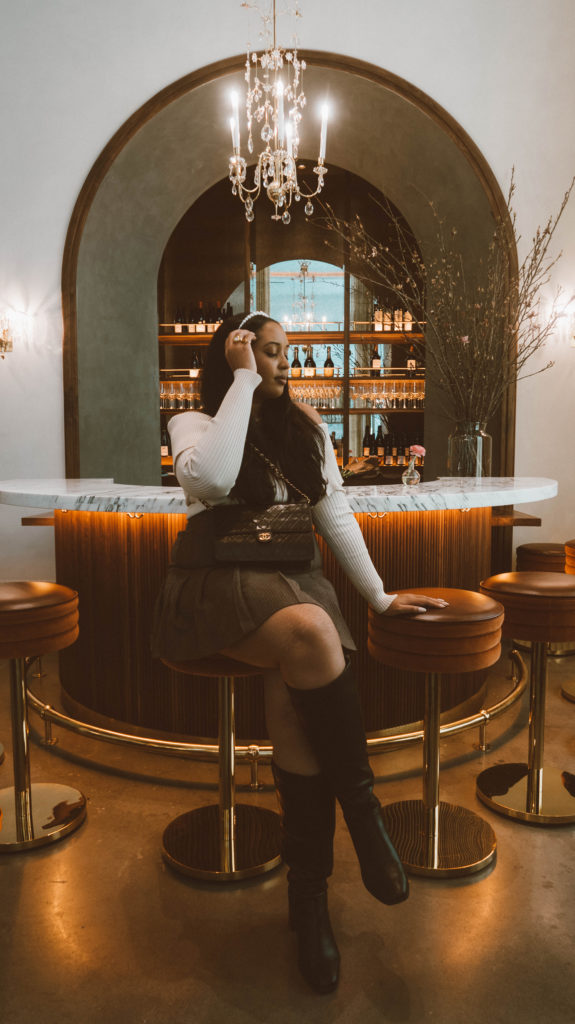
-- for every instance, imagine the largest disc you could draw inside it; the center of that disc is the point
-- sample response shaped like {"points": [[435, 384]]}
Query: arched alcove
{"points": [[170, 152]]}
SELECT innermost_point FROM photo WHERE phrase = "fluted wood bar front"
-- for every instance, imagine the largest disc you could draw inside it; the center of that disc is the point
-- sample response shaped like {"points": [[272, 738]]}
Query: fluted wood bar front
{"points": [[113, 544]]}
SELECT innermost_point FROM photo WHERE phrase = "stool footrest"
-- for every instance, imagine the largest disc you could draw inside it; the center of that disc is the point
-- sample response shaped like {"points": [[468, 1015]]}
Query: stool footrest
{"points": [[191, 843], [465, 842]]}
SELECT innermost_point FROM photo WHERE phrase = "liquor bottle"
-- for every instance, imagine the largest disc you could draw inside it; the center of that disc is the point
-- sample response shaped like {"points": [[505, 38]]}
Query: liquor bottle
{"points": [[296, 365], [195, 365], [200, 319], [309, 365], [375, 362], [366, 443], [328, 367], [164, 443], [380, 442]]}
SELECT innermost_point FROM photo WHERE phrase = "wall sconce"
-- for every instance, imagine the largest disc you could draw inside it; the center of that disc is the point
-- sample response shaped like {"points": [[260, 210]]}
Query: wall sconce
{"points": [[5, 336]]}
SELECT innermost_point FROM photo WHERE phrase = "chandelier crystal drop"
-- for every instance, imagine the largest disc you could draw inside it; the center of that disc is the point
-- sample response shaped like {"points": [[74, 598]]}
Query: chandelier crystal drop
{"points": [[274, 103]]}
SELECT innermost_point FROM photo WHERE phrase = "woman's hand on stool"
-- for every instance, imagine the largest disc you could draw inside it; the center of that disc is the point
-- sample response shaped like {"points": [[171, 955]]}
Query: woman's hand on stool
{"points": [[413, 604]]}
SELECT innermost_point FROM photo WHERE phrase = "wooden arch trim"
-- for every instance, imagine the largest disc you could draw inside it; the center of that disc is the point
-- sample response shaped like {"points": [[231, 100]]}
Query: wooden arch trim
{"points": [[181, 87]]}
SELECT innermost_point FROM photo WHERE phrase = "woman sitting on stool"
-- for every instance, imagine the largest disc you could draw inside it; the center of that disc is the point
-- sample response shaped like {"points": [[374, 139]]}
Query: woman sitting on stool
{"points": [[287, 622]]}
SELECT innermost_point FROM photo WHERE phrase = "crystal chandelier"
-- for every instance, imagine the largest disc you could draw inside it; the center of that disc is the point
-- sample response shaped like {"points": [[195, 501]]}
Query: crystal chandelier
{"points": [[274, 103]]}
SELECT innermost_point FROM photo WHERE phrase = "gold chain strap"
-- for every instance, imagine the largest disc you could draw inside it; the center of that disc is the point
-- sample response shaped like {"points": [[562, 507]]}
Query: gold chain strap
{"points": [[278, 471]]}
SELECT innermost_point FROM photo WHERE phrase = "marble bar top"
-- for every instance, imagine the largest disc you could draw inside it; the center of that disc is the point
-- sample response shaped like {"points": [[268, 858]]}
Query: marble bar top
{"points": [[103, 495]]}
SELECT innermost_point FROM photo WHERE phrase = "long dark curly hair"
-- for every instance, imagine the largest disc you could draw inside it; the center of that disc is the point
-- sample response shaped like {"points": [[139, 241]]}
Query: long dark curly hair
{"points": [[284, 433]]}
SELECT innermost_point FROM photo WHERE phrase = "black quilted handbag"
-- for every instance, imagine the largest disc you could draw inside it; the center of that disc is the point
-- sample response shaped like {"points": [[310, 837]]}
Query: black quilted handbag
{"points": [[281, 535], [278, 536]]}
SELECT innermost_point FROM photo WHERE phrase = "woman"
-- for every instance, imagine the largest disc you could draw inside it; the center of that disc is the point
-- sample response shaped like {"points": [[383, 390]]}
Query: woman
{"points": [[289, 623]]}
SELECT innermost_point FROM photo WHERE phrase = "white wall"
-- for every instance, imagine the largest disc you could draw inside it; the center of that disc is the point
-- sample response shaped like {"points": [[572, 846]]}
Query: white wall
{"points": [[74, 71]]}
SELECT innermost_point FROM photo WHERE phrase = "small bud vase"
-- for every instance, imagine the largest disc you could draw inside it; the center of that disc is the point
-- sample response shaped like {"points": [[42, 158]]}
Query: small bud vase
{"points": [[410, 477]]}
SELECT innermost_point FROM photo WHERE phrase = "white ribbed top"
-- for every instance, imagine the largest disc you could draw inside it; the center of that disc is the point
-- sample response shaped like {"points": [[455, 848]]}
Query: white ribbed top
{"points": [[208, 452]]}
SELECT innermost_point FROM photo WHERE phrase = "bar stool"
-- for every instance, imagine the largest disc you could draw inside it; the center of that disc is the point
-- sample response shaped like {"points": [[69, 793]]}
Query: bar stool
{"points": [[225, 841], [433, 838], [543, 558], [570, 557], [35, 618], [539, 606], [540, 558]]}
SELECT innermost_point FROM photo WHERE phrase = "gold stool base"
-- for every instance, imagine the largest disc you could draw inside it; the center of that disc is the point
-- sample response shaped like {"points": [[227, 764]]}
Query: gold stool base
{"points": [[568, 690], [56, 811], [191, 843], [503, 787], [465, 842]]}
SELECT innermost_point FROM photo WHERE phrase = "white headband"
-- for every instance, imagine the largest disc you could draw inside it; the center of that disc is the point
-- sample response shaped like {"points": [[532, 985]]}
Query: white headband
{"points": [[257, 312]]}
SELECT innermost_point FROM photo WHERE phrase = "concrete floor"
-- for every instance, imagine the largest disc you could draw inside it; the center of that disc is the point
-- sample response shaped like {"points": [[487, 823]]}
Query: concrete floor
{"points": [[97, 930]]}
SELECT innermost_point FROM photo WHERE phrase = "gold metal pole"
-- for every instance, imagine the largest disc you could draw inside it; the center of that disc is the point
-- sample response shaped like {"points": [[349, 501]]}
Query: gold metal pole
{"points": [[21, 750], [226, 739], [431, 766], [538, 688]]}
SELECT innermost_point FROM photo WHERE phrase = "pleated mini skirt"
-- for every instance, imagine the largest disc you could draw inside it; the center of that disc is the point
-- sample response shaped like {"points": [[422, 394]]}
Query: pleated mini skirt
{"points": [[201, 611]]}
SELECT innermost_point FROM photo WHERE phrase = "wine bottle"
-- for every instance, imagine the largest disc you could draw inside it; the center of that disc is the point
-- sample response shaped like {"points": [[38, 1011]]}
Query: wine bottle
{"points": [[387, 319], [366, 444], [398, 320], [380, 442], [407, 321], [309, 365], [411, 363], [388, 457], [375, 362], [178, 322], [328, 367], [195, 364], [201, 319], [296, 365], [164, 443], [393, 450]]}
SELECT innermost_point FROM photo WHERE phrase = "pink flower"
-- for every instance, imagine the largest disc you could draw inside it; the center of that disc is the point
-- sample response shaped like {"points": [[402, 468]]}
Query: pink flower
{"points": [[465, 339], [416, 449]]}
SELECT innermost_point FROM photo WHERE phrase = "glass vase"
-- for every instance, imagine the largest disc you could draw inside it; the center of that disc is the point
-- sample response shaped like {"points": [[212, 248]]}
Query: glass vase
{"points": [[469, 450], [410, 477]]}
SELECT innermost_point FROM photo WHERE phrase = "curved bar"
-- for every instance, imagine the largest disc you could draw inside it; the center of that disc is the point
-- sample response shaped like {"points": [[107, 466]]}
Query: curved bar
{"points": [[435, 495], [109, 556]]}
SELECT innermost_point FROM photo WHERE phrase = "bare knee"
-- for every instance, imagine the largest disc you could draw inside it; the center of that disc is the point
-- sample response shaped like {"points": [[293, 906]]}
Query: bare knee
{"points": [[308, 629]]}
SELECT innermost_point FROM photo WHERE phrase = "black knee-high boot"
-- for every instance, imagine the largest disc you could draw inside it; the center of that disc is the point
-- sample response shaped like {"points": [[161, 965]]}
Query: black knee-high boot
{"points": [[308, 824], [331, 718]]}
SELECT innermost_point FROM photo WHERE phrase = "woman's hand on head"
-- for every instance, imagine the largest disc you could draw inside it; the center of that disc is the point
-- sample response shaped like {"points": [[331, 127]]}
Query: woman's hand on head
{"points": [[238, 350], [413, 604]]}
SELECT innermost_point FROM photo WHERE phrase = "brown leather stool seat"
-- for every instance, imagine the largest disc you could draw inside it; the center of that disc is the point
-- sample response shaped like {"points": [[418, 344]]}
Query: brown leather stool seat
{"points": [[433, 838], [541, 558], [35, 618], [226, 841], [570, 557], [539, 606]]}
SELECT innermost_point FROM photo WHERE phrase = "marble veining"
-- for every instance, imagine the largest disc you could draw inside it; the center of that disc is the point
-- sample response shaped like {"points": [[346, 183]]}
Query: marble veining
{"points": [[103, 495]]}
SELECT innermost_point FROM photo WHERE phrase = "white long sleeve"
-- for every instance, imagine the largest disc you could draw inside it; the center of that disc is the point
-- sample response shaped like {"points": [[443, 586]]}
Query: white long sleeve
{"points": [[208, 450], [337, 524]]}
